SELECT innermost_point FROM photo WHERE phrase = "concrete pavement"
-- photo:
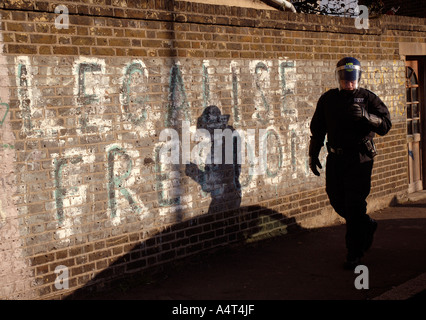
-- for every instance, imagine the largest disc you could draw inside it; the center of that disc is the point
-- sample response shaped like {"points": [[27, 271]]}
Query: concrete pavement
{"points": [[305, 265]]}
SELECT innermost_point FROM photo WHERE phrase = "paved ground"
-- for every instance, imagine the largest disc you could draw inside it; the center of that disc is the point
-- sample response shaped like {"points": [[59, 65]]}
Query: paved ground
{"points": [[305, 266]]}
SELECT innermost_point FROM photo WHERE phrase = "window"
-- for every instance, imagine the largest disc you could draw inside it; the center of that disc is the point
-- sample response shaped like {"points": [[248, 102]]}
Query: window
{"points": [[413, 105]]}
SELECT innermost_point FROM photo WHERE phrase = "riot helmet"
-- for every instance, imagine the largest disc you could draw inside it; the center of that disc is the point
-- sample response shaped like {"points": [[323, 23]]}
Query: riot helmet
{"points": [[348, 73]]}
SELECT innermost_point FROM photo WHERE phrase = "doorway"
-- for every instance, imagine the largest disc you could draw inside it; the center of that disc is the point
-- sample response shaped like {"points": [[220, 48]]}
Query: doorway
{"points": [[415, 111]]}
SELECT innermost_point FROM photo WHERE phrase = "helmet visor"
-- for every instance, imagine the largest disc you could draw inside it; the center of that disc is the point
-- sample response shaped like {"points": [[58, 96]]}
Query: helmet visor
{"points": [[348, 76]]}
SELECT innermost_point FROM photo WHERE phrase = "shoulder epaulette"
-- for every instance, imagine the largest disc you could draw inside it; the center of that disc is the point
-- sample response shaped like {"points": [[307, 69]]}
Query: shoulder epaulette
{"points": [[369, 91], [330, 91]]}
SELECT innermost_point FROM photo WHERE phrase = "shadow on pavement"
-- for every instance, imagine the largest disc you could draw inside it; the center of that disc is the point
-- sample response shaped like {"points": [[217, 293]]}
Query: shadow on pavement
{"points": [[226, 235], [302, 265]]}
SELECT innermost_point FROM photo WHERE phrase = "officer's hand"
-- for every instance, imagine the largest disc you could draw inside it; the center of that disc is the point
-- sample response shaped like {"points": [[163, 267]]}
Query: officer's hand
{"points": [[356, 112], [313, 164]]}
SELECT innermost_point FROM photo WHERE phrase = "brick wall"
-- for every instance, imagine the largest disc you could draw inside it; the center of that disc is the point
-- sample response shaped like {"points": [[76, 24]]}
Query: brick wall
{"points": [[86, 113]]}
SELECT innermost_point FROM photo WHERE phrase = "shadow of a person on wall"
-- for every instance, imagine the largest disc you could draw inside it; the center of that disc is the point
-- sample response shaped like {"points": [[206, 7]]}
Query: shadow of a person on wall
{"points": [[217, 171], [218, 174]]}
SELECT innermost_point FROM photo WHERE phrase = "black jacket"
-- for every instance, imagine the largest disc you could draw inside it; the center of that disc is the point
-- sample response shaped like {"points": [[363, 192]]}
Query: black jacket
{"points": [[332, 119]]}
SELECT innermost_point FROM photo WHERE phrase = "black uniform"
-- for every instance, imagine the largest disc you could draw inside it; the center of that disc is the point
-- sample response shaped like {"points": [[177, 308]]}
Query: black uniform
{"points": [[349, 161]]}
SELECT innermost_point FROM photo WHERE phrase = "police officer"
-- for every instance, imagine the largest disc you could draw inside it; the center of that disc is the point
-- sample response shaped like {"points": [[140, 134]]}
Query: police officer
{"points": [[349, 116]]}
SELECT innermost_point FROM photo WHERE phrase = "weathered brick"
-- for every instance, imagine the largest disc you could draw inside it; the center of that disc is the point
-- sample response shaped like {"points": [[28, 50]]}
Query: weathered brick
{"points": [[21, 49], [119, 42], [65, 50], [43, 39], [102, 51], [82, 41]]}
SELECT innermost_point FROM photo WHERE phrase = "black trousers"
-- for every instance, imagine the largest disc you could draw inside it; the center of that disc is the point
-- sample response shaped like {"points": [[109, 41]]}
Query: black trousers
{"points": [[348, 184]]}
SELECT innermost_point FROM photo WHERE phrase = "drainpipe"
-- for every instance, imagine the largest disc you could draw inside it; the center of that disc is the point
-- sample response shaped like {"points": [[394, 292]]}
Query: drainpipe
{"points": [[285, 4]]}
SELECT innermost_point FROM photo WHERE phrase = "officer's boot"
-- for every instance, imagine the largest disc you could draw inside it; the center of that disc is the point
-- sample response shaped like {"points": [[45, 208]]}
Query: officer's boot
{"points": [[352, 260], [354, 243], [370, 229]]}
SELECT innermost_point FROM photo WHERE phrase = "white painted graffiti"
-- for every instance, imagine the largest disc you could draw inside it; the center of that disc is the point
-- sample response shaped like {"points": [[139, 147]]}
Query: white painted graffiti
{"points": [[260, 92]]}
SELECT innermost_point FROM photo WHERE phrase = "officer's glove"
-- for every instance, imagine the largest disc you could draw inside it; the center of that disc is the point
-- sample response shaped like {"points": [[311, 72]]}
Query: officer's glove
{"points": [[359, 113], [314, 149], [313, 164]]}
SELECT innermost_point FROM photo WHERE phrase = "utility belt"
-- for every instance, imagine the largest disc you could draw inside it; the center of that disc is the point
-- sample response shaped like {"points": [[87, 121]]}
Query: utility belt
{"points": [[366, 146], [338, 151]]}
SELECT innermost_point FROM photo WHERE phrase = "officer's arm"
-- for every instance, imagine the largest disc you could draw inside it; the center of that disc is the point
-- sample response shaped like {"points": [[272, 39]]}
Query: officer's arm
{"points": [[318, 131], [378, 115], [318, 128]]}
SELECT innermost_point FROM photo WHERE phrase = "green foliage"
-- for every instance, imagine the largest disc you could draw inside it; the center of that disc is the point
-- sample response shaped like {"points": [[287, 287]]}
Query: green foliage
{"points": [[337, 7]]}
